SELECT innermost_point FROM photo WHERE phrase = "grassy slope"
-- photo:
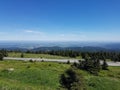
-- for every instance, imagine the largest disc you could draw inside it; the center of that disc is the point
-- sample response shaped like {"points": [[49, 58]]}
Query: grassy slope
{"points": [[107, 80], [45, 76], [30, 76], [27, 55]]}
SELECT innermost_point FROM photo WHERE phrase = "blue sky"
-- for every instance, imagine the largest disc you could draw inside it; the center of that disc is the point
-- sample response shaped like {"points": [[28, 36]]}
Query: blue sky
{"points": [[60, 20]]}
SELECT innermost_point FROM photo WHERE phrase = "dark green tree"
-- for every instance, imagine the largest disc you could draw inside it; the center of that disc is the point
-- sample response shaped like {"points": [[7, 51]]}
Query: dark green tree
{"points": [[71, 80], [22, 55], [4, 52], [105, 65], [1, 56]]}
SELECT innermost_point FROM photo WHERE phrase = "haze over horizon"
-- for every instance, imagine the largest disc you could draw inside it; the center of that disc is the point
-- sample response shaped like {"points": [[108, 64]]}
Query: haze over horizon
{"points": [[60, 20]]}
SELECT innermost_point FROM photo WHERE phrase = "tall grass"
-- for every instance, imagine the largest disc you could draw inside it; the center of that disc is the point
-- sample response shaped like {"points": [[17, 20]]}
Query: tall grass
{"points": [[46, 76], [39, 75], [107, 80]]}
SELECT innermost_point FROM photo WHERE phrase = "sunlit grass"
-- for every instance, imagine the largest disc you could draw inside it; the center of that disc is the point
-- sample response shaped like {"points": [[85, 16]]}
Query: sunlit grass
{"points": [[30, 76], [46, 75], [107, 80], [28, 55]]}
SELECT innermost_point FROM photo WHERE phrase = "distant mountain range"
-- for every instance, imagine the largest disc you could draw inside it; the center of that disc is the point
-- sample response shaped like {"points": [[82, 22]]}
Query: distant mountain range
{"points": [[47, 46], [70, 48]]}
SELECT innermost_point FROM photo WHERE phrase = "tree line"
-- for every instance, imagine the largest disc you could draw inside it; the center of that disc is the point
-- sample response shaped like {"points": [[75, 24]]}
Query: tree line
{"points": [[113, 56], [3, 53]]}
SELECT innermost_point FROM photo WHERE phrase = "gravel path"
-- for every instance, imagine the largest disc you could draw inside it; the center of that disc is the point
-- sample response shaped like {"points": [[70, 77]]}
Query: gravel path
{"points": [[110, 63]]}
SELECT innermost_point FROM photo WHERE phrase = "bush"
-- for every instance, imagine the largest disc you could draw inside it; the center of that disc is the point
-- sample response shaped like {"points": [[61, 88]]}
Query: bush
{"points": [[4, 52], [31, 60], [72, 80], [22, 55], [28, 66], [42, 61], [92, 66], [1, 56], [68, 62], [75, 64], [105, 65], [49, 65]]}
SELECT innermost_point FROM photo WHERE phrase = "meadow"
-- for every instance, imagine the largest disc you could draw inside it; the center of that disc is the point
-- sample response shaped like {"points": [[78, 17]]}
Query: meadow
{"points": [[46, 75], [30, 76], [107, 80], [29, 55]]}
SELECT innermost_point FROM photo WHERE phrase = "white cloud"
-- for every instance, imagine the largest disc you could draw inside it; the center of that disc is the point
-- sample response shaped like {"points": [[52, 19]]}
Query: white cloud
{"points": [[33, 32], [28, 31], [73, 35]]}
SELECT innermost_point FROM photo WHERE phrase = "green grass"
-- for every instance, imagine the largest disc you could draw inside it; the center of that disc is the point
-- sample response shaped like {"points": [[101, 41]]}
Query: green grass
{"points": [[46, 76], [79, 57], [30, 76], [107, 80], [28, 55]]}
